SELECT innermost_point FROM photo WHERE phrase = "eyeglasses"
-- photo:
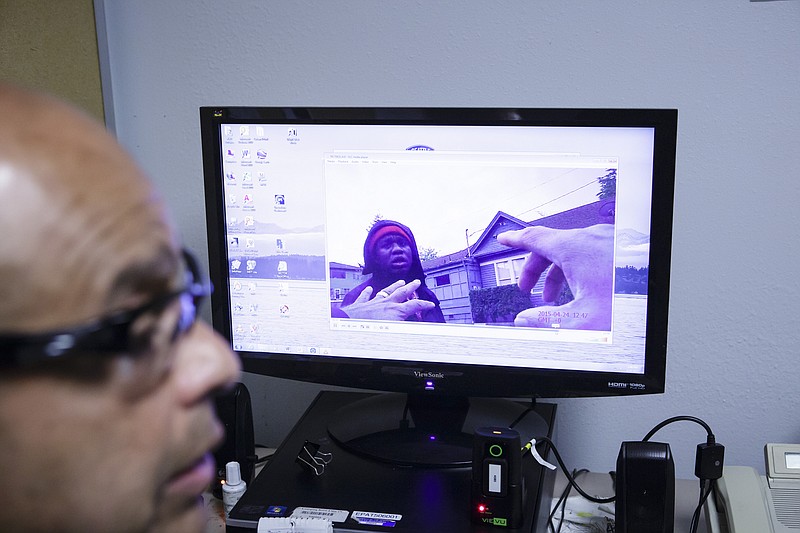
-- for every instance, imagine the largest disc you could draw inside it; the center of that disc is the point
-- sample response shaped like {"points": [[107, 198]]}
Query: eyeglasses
{"points": [[111, 335]]}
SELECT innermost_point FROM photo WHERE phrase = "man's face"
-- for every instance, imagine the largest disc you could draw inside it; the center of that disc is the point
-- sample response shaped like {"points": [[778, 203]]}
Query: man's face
{"points": [[393, 254], [128, 451]]}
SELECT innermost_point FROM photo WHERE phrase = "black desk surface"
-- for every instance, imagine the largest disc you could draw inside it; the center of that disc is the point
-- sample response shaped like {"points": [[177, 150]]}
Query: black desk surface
{"points": [[428, 499]]}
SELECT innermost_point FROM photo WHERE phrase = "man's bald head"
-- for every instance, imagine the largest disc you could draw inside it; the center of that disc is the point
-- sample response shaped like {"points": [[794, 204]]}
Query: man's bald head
{"points": [[72, 199], [112, 442]]}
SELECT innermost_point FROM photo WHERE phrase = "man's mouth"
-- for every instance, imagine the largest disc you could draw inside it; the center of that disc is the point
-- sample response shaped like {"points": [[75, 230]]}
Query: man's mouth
{"points": [[194, 479]]}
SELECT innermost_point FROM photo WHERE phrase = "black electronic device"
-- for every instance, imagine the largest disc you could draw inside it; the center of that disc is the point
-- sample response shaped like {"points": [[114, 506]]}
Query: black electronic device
{"points": [[645, 488], [292, 192], [497, 488], [236, 414]]}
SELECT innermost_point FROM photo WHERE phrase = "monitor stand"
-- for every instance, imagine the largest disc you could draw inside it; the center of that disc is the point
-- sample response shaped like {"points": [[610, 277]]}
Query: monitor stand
{"points": [[425, 429], [351, 486]]}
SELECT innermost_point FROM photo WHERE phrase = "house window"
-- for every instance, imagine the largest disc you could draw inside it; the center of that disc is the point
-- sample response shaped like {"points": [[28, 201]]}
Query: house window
{"points": [[339, 274], [503, 273], [516, 264], [507, 272], [444, 279]]}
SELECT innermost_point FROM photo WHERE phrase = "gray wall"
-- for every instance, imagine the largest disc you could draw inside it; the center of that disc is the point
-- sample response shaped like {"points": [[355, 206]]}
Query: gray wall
{"points": [[732, 68]]}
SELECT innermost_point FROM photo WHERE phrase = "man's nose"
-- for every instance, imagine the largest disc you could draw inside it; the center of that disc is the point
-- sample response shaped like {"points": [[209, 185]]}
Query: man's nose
{"points": [[205, 363]]}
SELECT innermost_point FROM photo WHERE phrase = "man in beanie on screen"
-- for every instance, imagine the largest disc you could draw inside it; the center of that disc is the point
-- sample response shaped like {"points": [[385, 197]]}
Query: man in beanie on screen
{"points": [[391, 256]]}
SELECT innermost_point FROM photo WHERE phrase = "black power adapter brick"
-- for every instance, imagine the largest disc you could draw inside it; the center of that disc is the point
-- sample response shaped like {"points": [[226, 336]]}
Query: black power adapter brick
{"points": [[709, 460]]}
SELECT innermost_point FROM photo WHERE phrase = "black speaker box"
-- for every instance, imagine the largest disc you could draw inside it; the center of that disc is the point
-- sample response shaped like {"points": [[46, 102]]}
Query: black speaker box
{"points": [[236, 413], [645, 488]]}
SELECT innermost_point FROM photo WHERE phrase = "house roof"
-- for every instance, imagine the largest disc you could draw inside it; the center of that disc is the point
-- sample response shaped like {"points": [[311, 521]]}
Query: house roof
{"points": [[599, 212]]}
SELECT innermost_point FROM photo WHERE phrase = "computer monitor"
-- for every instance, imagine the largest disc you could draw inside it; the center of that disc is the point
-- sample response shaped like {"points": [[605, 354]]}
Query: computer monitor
{"points": [[306, 206]]}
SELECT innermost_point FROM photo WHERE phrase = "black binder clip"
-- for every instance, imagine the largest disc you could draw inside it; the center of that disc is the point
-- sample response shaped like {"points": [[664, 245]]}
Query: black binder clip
{"points": [[312, 459]]}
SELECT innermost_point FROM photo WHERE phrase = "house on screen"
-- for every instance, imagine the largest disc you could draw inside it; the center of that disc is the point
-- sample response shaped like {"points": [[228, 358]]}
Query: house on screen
{"points": [[487, 263], [343, 278]]}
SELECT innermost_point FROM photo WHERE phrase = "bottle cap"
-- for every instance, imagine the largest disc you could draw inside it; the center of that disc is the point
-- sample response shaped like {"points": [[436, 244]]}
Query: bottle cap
{"points": [[233, 475]]}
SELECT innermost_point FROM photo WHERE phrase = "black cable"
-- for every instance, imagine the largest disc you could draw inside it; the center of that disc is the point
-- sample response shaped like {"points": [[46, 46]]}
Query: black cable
{"points": [[522, 415], [704, 492], [562, 502], [569, 477], [565, 496], [680, 419], [708, 463]]}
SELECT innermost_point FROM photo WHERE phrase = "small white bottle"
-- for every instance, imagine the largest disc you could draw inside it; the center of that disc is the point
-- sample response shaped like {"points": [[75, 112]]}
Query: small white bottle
{"points": [[234, 486]]}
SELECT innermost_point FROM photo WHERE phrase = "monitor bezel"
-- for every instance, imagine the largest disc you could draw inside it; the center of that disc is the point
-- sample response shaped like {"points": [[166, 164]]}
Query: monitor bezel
{"points": [[455, 379]]}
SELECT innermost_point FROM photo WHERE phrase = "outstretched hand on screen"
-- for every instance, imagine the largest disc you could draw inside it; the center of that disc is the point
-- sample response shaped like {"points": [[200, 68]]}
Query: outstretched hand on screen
{"points": [[584, 258], [396, 302]]}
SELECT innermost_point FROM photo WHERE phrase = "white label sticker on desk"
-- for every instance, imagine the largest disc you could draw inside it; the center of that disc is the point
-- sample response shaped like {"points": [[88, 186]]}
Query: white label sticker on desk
{"points": [[334, 515], [376, 519]]}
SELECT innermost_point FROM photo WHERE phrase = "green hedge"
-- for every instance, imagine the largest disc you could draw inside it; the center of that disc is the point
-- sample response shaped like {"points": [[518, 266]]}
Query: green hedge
{"points": [[498, 304], [502, 304]]}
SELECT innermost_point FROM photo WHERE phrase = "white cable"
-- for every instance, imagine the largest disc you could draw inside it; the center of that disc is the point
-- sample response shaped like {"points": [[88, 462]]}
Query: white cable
{"points": [[539, 458]]}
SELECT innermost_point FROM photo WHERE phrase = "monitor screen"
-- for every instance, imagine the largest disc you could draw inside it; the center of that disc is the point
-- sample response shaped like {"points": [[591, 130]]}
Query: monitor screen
{"points": [[480, 252]]}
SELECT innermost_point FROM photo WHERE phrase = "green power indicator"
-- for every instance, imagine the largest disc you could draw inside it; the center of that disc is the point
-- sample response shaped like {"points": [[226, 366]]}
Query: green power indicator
{"points": [[495, 450]]}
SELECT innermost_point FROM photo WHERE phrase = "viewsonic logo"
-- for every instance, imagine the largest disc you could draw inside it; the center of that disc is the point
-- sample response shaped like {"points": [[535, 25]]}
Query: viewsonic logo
{"points": [[428, 375]]}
